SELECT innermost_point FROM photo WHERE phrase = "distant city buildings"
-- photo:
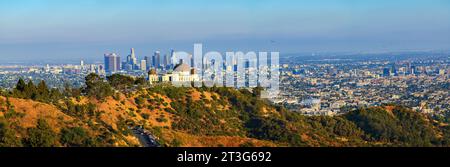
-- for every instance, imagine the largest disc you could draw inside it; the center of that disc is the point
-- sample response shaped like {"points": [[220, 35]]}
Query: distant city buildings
{"points": [[312, 87], [143, 65], [156, 68], [112, 63], [132, 65], [324, 88]]}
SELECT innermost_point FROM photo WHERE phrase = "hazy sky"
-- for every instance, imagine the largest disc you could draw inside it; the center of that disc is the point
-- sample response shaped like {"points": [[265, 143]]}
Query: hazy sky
{"points": [[85, 29]]}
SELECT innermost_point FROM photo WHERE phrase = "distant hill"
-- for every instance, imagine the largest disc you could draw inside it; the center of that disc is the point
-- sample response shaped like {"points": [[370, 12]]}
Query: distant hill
{"points": [[198, 117]]}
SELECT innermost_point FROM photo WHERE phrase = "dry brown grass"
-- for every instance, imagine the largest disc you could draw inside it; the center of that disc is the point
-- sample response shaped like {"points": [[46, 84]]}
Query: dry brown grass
{"points": [[125, 108], [33, 111], [195, 95]]}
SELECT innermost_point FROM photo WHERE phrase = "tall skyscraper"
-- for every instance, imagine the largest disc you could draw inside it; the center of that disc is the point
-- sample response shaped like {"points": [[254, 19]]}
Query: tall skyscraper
{"points": [[133, 57], [131, 62], [394, 70], [173, 58], [82, 65], [409, 69], [166, 60], [172, 55], [386, 72], [144, 65], [112, 63], [157, 59], [148, 62], [413, 70]]}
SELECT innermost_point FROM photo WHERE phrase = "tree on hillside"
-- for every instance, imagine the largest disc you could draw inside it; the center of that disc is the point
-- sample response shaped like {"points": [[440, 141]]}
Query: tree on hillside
{"points": [[97, 87], [8, 137], [41, 92], [401, 126], [20, 86], [30, 90], [24, 90], [75, 137], [19, 89], [69, 91], [42, 89], [257, 91], [121, 82], [271, 129], [125, 83], [140, 81], [55, 95], [42, 135]]}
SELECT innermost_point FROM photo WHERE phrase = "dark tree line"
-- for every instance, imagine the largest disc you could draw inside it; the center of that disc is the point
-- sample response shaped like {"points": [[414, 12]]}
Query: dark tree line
{"points": [[95, 86], [100, 88], [39, 92]]}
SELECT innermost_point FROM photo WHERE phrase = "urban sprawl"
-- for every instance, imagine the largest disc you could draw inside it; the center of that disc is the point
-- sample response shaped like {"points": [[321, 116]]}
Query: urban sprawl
{"points": [[312, 85]]}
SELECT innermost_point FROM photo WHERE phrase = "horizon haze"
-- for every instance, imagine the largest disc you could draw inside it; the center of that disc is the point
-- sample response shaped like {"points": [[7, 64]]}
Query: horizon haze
{"points": [[32, 30]]}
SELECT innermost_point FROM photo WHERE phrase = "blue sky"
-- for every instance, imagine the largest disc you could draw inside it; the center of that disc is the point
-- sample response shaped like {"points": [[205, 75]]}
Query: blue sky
{"points": [[75, 29]]}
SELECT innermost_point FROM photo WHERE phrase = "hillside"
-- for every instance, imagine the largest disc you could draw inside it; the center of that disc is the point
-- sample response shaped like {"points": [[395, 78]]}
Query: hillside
{"points": [[103, 115], [105, 122]]}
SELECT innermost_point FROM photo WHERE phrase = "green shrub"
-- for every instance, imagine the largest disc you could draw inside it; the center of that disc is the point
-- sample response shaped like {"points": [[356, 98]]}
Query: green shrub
{"points": [[75, 137], [42, 135]]}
